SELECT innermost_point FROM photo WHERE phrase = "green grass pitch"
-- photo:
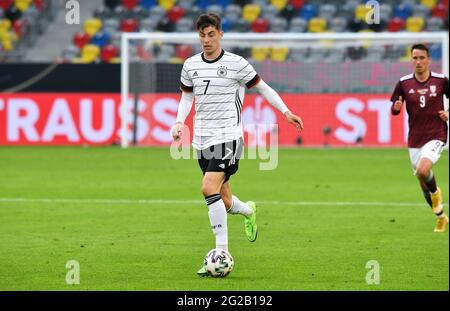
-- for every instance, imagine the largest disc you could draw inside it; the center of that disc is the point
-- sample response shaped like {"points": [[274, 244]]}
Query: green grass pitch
{"points": [[135, 220]]}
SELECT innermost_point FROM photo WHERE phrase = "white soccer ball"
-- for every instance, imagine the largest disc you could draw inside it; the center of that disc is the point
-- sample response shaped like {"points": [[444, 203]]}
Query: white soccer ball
{"points": [[218, 262]]}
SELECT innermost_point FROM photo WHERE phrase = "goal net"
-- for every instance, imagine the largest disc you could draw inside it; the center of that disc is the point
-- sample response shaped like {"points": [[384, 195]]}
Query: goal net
{"points": [[339, 83]]}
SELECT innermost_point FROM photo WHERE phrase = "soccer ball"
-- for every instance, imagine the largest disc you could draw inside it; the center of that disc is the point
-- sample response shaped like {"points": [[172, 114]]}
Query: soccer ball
{"points": [[219, 263]]}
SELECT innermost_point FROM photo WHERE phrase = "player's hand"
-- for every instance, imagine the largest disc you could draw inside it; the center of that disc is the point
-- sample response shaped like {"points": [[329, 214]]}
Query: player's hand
{"points": [[177, 131], [398, 104], [443, 115], [294, 120]]}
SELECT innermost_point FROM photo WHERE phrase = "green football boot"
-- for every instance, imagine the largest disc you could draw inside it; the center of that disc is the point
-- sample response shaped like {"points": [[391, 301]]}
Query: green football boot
{"points": [[202, 272], [251, 228]]}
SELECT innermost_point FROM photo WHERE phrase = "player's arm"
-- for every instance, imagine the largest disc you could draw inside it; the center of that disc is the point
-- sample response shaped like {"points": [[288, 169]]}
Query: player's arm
{"points": [[184, 108], [275, 100], [397, 99], [444, 114]]}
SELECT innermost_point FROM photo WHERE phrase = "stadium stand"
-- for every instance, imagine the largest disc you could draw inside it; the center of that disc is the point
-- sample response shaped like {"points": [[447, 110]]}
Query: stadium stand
{"points": [[21, 23]]}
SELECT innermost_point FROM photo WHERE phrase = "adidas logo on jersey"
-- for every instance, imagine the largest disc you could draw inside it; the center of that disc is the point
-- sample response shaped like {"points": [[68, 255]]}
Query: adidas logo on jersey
{"points": [[411, 91], [222, 166], [195, 74]]}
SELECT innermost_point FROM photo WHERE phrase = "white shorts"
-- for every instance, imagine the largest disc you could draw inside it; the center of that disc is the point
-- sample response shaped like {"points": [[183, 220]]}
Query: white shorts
{"points": [[431, 150]]}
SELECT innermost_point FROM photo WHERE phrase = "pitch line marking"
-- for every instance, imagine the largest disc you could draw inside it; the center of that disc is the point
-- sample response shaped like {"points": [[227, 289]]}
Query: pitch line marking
{"points": [[162, 201]]}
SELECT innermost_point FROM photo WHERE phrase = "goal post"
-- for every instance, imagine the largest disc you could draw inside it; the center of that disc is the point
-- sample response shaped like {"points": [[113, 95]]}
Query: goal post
{"points": [[306, 64]]}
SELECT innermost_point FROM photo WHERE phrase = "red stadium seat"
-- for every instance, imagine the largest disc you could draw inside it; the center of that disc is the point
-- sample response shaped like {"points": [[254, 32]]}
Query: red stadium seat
{"points": [[184, 51], [5, 4], [396, 24], [440, 10], [80, 39], [130, 4], [260, 25], [129, 25], [175, 13], [39, 4], [109, 52], [20, 27], [297, 4]]}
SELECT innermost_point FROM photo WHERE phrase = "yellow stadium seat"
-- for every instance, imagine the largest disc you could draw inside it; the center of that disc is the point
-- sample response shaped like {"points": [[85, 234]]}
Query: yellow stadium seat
{"points": [[279, 53], [251, 12], [167, 4], [415, 24], [317, 24], [5, 24], [90, 53], [279, 4], [429, 3], [361, 12], [115, 60], [92, 25], [23, 5], [260, 53]]}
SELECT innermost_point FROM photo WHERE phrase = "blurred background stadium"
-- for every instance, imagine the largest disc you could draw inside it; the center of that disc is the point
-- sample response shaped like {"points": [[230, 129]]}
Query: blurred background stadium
{"points": [[43, 53]]}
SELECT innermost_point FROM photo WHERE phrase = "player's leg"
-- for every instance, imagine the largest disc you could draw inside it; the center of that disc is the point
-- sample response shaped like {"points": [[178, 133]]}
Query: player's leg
{"points": [[426, 192], [430, 154], [236, 206]]}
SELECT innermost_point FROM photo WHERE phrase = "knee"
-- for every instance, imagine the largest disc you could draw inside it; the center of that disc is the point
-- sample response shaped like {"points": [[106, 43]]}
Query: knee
{"points": [[422, 172], [208, 189]]}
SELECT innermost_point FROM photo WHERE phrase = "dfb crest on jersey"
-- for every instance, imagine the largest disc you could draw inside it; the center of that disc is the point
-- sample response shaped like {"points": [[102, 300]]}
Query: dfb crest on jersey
{"points": [[433, 90], [222, 71]]}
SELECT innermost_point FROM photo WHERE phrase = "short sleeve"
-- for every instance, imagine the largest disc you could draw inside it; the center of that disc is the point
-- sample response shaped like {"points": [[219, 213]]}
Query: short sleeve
{"points": [[398, 91], [446, 87], [185, 80], [246, 74]]}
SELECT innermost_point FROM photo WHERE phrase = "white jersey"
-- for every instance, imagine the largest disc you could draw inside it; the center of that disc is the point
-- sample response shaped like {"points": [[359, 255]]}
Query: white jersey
{"points": [[219, 88]]}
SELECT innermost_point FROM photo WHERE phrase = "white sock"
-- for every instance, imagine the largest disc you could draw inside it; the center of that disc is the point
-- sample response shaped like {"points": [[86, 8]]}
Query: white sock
{"points": [[239, 207], [218, 219], [439, 212]]}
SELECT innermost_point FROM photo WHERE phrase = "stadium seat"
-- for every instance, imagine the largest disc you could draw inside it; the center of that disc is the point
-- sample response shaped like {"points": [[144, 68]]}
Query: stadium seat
{"points": [[279, 53], [241, 26], [440, 10], [167, 4], [130, 4], [415, 24], [298, 54], [5, 4], [224, 3], [226, 25], [148, 25], [327, 11], [202, 4], [251, 12], [120, 12], [269, 12], [260, 25], [316, 54], [434, 24], [317, 24], [279, 4], [69, 53], [23, 5], [184, 25], [191, 12], [403, 11], [129, 25], [233, 13], [157, 13], [109, 52], [148, 4], [5, 25], [278, 24], [102, 12], [297, 4], [260, 53], [308, 11], [375, 53], [165, 25], [396, 24], [335, 55], [436, 51], [429, 3], [80, 39], [165, 53], [111, 25], [338, 24], [175, 13], [298, 25], [20, 27], [100, 38], [184, 51], [361, 11], [347, 10], [89, 53], [288, 13], [215, 8], [139, 13], [385, 12], [421, 10], [92, 25]]}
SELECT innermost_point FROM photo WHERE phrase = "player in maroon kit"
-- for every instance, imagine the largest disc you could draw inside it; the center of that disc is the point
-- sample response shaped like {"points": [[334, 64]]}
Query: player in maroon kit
{"points": [[422, 93]]}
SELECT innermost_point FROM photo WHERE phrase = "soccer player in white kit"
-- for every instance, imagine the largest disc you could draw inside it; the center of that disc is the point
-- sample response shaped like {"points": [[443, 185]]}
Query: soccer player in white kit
{"points": [[216, 79]]}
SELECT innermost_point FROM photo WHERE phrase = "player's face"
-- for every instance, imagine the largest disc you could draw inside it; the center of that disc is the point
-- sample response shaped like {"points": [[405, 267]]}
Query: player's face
{"points": [[210, 39], [420, 61]]}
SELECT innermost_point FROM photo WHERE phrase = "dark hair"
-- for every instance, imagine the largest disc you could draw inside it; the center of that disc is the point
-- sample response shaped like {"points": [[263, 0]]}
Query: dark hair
{"points": [[208, 19], [420, 46]]}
